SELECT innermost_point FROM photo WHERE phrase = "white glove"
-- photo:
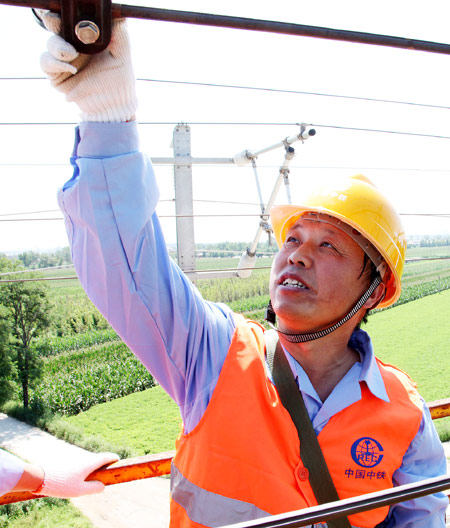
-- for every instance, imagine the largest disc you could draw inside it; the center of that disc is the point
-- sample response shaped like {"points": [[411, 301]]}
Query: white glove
{"points": [[67, 480], [102, 85]]}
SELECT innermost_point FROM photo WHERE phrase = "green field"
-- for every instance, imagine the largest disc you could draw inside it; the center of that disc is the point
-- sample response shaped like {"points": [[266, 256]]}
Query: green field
{"points": [[75, 381], [80, 331], [414, 337], [428, 252], [146, 422]]}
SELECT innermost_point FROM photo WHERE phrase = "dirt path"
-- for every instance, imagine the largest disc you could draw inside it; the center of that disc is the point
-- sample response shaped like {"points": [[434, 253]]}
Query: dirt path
{"points": [[138, 504]]}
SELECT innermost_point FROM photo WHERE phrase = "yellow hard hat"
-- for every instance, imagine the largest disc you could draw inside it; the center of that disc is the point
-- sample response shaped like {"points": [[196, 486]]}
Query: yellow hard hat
{"points": [[357, 203]]}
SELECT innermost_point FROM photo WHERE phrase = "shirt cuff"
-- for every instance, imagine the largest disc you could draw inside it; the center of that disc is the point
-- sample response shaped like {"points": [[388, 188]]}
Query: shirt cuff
{"points": [[11, 469], [103, 140]]}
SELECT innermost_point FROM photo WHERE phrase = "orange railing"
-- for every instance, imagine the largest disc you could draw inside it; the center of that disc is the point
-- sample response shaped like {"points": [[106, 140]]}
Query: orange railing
{"points": [[159, 464]]}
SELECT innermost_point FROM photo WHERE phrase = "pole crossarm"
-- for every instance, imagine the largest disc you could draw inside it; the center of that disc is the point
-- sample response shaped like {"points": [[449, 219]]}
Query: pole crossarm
{"points": [[251, 24]]}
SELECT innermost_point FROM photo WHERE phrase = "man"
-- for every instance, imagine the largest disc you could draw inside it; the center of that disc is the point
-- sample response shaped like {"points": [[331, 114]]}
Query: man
{"points": [[341, 254]]}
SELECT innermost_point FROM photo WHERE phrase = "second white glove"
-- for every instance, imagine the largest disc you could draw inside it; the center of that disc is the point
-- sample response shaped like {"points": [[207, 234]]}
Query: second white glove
{"points": [[102, 85], [67, 479]]}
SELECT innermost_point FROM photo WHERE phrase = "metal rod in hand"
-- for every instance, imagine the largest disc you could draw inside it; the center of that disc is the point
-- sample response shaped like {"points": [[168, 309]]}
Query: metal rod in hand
{"points": [[233, 22]]}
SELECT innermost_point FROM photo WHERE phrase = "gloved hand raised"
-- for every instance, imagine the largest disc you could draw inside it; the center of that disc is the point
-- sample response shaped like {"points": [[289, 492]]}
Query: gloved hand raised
{"points": [[67, 479], [102, 85]]}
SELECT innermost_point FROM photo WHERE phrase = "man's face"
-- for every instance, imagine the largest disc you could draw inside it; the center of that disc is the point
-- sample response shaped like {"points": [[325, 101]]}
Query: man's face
{"points": [[315, 278]]}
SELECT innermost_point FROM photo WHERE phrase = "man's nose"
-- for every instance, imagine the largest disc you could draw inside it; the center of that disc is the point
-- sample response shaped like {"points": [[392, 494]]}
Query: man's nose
{"points": [[301, 256]]}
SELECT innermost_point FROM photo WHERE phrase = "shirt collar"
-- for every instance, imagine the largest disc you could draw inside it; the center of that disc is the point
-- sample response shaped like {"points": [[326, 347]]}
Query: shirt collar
{"points": [[368, 372]]}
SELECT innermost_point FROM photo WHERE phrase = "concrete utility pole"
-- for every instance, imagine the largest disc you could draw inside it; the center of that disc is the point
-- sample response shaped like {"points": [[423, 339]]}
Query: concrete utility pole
{"points": [[184, 199]]}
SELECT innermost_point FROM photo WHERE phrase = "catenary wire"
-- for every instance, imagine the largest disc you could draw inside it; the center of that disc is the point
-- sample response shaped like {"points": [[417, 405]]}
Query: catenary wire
{"points": [[223, 215], [263, 89], [198, 271], [260, 166], [15, 272], [241, 123]]}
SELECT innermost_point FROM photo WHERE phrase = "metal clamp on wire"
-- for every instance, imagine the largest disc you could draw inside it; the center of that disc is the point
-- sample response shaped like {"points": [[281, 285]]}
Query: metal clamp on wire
{"points": [[86, 24], [305, 133]]}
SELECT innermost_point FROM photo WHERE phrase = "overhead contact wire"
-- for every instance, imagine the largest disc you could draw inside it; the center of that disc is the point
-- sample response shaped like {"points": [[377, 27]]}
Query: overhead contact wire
{"points": [[264, 89]]}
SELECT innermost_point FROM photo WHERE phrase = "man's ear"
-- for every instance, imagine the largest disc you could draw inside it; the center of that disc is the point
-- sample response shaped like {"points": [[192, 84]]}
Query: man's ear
{"points": [[376, 297]]}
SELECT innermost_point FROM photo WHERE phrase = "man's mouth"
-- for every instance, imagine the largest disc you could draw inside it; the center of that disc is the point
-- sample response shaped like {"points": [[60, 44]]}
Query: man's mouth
{"points": [[294, 283]]}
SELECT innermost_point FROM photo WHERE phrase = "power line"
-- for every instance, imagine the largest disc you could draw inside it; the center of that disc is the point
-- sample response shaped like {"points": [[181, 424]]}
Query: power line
{"points": [[260, 166], [357, 129], [227, 202], [35, 164], [64, 266], [32, 219], [31, 212], [199, 271], [263, 89], [159, 216], [223, 215], [254, 123], [298, 92], [41, 279], [444, 215]]}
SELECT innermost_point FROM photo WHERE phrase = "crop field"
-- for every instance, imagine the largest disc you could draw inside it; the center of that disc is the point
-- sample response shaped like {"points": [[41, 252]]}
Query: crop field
{"points": [[415, 337], [85, 363], [75, 381]]}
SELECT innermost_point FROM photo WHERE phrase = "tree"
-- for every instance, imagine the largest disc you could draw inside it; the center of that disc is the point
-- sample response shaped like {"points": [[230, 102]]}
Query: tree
{"points": [[29, 314], [7, 264], [6, 365]]}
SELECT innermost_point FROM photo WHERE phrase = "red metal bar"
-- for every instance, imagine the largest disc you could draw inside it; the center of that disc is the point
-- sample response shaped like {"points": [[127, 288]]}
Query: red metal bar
{"points": [[439, 408], [122, 471]]}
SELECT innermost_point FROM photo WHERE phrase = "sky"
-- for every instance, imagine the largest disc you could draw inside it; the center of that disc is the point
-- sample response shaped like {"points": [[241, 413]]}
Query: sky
{"points": [[413, 171]]}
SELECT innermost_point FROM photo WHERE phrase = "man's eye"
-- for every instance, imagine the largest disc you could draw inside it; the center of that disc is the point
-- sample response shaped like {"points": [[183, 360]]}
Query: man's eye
{"points": [[291, 241], [328, 245]]}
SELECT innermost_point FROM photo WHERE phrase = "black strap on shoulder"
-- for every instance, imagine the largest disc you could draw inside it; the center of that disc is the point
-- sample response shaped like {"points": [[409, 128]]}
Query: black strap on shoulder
{"points": [[310, 452]]}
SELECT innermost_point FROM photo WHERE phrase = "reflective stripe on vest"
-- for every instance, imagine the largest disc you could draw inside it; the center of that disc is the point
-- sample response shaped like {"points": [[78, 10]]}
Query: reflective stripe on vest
{"points": [[208, 508], [246, 447]]}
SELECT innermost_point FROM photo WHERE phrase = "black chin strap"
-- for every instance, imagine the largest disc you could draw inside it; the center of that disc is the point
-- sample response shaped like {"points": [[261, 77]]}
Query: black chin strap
{"points": [[303, 338]]}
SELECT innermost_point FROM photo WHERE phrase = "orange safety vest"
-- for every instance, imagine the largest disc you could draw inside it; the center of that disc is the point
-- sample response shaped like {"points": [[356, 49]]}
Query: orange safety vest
{"points": [[242, 460]]}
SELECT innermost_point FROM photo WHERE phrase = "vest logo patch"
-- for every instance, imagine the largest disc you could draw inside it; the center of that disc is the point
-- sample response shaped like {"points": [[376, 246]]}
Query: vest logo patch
{"points": [[367, 452]]}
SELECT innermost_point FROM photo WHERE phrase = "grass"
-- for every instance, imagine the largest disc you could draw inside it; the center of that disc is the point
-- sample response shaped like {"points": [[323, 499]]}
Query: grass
{"points": [[43, 513], [428, 252], [416, 337], [147, 422]]}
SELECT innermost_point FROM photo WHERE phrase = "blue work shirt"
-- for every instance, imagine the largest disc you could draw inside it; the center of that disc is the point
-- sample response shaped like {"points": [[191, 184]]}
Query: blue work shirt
{"points": [[120, 255], [11, 469]]}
